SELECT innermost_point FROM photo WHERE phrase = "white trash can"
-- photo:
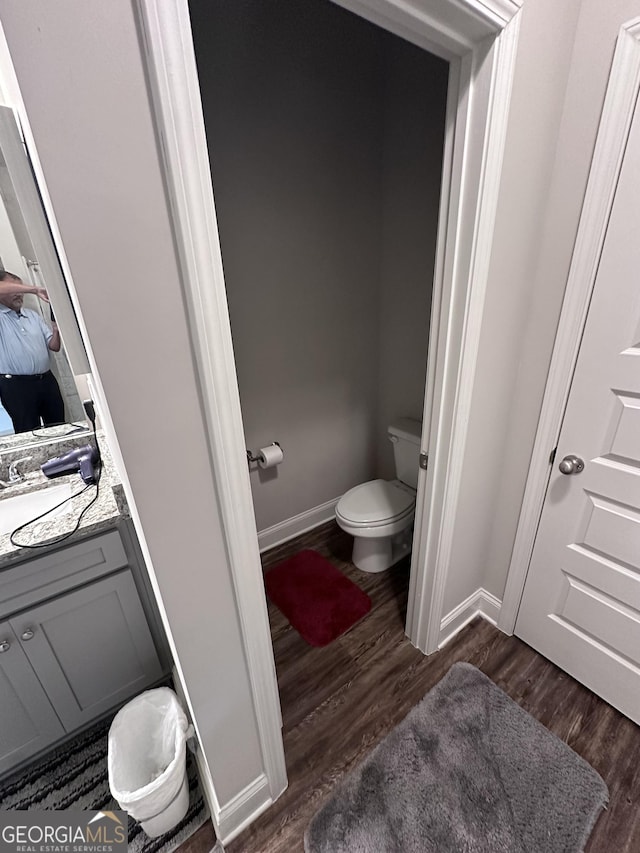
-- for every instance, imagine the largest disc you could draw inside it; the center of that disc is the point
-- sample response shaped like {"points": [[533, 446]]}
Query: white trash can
{"points": [[147, 760]]}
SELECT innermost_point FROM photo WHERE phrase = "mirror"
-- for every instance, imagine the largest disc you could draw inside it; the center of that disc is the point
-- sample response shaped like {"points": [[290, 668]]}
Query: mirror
{"points": [[27, 251]]}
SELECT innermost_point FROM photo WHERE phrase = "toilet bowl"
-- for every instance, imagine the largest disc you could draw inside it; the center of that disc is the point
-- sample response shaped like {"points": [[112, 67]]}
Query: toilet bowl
{"points": [[379, 516], [379, 513]]}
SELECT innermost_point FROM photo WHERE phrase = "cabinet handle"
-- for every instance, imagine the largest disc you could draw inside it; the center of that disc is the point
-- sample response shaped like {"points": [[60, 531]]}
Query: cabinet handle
{"points": [[5, 645], [27, 634]]}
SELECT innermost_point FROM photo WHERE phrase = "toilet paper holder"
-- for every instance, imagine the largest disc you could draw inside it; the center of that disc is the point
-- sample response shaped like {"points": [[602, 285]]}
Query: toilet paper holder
{"points": [[252, 457]]}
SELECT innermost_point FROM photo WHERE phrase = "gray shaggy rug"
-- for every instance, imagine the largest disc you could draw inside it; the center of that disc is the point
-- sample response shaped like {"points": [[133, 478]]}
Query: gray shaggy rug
{"points": [[467, 771]]}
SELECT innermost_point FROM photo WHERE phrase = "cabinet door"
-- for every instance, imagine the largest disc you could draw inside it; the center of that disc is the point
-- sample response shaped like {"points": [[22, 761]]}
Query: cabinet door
{"points": [[90, 648], [28, 722]]}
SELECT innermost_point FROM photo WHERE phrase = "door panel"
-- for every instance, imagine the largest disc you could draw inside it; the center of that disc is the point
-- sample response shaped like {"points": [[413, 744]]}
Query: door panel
{"points": [[91, 648], [28, 721], [581, 603]]}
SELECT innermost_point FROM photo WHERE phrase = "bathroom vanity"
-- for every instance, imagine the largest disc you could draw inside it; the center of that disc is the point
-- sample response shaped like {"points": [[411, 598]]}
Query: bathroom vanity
{"points": [[79, 630]]}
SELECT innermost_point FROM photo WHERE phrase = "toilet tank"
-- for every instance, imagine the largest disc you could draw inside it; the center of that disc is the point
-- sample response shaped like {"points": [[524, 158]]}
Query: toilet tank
{"points": [[405, 434]]}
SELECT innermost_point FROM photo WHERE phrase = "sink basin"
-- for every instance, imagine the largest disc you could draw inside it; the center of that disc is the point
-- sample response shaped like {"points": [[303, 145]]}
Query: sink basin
{"points": [[21, 508]]}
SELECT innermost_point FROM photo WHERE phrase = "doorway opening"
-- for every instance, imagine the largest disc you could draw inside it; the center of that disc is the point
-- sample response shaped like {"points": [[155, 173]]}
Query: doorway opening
{"points": [[479, 42], [325, 137], [326, 143]]}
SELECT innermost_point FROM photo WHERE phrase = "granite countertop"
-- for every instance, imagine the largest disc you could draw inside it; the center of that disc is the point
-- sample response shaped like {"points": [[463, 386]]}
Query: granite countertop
{"points": [[103, 514]]}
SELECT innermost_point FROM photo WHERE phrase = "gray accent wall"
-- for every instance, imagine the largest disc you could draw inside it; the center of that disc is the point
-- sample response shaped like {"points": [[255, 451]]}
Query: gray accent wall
{"points": [[325, 136], [415, 102]]}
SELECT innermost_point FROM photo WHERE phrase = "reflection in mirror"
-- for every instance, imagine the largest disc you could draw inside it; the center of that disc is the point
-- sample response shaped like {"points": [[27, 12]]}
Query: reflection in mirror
{"points": [[30, 361], [37, 386]]}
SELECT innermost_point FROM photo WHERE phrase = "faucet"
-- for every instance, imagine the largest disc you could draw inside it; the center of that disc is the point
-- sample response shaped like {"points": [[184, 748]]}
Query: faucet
{"points": [[14, 475]]}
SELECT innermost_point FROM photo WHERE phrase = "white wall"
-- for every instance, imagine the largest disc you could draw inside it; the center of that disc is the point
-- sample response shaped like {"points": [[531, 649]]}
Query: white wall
{"points": [[544, 56], [80, 69], [325, 136], [563, 64], [597, 30]]}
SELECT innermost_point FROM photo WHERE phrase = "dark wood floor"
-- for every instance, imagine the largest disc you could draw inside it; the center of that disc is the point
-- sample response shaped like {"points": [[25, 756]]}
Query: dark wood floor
{"points": [[339, 701]]}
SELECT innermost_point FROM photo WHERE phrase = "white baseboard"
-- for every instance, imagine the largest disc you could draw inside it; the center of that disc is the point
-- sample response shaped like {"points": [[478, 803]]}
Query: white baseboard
{"points": [[243, 809], [479, 603], [291, 527], [231, 818]]}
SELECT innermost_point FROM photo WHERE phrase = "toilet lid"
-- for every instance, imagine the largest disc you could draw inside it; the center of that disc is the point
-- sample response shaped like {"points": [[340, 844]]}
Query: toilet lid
{"points": [[376, 501]]}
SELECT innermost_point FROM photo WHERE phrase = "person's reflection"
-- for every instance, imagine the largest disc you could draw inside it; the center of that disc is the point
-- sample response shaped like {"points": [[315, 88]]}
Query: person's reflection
{"points": [[28, 389]]}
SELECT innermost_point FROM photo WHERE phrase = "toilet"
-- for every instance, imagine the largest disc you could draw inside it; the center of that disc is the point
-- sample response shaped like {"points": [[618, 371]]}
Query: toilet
{"points": [[379, 514]]}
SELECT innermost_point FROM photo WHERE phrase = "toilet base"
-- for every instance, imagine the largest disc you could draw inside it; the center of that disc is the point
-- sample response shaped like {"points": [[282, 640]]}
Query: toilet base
{"points": [[372, 555], [378, 554]]}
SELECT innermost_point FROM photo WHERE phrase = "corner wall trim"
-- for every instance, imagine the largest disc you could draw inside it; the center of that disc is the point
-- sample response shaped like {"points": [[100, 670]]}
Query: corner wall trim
{"points": [[464, 251], [281, 532], [479, 603]]}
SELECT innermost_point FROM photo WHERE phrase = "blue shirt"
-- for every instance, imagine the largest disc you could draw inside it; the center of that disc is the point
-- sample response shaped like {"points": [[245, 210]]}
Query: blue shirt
{"points": [[24, 342]]}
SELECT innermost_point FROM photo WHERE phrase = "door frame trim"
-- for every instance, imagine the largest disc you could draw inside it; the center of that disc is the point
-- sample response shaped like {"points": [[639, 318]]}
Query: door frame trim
{"points": [[619, 105], [479, 39]]}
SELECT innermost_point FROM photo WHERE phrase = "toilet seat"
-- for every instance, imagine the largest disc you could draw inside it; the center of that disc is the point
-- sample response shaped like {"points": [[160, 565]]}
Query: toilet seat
{"points": [[377, 503]]}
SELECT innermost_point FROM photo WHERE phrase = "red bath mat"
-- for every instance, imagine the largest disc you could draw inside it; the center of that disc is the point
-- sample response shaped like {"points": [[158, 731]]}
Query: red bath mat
{"points": [[319, 601]]}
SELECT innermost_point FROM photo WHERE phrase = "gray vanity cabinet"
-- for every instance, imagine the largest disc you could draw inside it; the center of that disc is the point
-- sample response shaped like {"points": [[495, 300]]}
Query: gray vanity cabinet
{"points": [[28, 722], [91, 649], [75, 643]]}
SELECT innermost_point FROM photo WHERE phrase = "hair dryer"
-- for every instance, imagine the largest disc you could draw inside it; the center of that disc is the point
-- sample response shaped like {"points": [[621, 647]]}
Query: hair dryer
{"points": [[81, 461]]}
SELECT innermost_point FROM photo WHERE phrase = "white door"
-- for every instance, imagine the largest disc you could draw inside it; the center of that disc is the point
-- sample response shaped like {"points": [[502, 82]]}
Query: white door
{"points": [[581, 603]]}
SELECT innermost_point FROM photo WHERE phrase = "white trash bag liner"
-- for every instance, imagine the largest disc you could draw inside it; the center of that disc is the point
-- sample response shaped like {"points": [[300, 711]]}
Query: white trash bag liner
{"points": [[147, 760]]}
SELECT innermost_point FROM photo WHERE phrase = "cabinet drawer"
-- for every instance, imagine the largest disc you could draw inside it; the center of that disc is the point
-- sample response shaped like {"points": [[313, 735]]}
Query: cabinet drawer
{"points": [[56, 572]]}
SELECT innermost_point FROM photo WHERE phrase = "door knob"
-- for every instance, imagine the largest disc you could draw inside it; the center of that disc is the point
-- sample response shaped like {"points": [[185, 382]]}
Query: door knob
{"points": [[27, 634], [5, 645], [571, 465]]}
